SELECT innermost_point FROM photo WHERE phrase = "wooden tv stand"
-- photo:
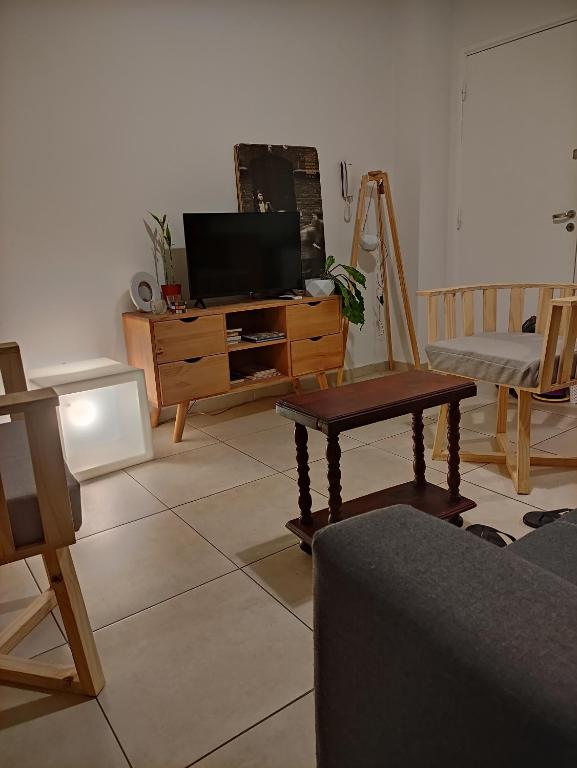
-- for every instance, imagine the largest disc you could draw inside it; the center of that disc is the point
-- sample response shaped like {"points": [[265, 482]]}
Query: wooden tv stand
{"points": [[186, 357]]}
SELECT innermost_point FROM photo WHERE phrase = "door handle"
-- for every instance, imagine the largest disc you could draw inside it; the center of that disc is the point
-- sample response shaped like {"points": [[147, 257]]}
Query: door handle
{"points": [[563, 217]]}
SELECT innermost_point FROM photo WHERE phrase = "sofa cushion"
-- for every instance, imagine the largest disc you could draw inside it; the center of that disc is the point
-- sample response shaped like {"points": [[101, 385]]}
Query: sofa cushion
{"points": [[552, 547], [502, 358], [20, 487]]}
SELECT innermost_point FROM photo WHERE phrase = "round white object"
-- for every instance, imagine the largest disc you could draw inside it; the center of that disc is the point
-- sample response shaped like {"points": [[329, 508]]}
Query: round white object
{"points": [[144, 290], [369, 242]]}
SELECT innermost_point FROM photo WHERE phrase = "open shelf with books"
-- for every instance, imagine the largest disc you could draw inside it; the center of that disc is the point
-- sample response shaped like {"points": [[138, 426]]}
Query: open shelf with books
{"points": [[202, 352]]}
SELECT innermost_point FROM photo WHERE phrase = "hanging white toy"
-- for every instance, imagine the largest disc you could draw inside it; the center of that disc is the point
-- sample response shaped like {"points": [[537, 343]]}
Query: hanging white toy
{"points": [[368, 242]]}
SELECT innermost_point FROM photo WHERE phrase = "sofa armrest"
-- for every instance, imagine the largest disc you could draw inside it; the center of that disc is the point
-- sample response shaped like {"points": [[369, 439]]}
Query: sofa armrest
{"points": [[433, 647]]}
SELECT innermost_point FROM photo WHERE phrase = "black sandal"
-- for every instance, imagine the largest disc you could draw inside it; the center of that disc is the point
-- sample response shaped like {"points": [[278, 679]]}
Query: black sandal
{"points": [[490, 534], [537, 518]]}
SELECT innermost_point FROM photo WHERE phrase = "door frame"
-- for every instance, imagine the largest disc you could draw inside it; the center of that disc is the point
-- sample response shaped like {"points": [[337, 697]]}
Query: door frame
{"points": [[470, 50]]}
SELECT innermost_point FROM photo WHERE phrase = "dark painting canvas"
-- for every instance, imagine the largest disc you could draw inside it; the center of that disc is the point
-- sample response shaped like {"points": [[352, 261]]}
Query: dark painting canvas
{"points": [[278, 178]]}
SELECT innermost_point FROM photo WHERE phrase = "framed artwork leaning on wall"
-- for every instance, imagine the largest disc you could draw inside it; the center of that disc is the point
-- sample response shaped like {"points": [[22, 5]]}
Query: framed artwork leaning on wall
{"points": [[274, 178]]}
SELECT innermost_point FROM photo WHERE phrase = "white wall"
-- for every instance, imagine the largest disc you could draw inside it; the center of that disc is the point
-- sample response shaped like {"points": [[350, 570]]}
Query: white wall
{"points": [[421, 79], [474, 24], [111, 108]]}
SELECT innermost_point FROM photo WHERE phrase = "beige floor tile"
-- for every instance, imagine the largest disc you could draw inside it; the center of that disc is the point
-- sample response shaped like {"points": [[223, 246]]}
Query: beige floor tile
{"points": [[570, 409], [245, 419], [402, 445], [383, 429], [113, 500], [17, 590], [137, 565], [197, 670], [543, 423], [248, 523], [288, 576], [276, 447], [39, 730], [494, 509], [363, 470], [285, 740], [191, 438], [564, 444], [486, 394], [199, 473], [552, 488]]}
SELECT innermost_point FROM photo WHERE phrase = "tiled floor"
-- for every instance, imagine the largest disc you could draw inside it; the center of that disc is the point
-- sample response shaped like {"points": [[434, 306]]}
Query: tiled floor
{"points": [[201, 600]]}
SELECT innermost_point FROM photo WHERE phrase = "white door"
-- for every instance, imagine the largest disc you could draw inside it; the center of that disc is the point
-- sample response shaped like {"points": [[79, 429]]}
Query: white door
{"points": [[519, 133]]}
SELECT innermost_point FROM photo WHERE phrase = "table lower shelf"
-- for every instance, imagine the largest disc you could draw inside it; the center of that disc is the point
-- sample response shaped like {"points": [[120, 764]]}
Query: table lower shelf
{"points": [[430, 499]]}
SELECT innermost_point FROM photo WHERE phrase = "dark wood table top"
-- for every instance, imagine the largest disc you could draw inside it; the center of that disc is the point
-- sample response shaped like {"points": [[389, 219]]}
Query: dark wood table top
{"points": [[365, 402]]}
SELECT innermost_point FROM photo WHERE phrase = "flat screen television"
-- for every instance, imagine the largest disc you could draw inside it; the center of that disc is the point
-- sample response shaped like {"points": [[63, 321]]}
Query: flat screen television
{"points": [[234, 254]]}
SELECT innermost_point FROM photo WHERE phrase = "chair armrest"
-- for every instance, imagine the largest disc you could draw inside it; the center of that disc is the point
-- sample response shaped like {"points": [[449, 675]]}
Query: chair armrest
{"points": [[11, 369], [556, 368], [24, 402], [39, 410], [433, 647]]}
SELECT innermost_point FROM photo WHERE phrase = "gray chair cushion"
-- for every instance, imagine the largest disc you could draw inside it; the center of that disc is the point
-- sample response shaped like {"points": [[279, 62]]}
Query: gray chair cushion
{"points": [[553, 547], [20, 488], [502, 358]]}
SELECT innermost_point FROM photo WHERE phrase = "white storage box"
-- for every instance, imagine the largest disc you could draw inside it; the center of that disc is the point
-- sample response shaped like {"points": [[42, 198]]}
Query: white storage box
{"points": [[104, 420]]}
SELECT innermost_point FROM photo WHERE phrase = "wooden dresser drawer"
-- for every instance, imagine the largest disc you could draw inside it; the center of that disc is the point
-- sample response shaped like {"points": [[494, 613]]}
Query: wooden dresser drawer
{"points": [[319, 318], [321, 353], [182, 338], [192, 378]]}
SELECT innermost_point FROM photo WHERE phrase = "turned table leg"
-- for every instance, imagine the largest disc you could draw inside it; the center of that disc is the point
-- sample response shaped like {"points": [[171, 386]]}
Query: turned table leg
{"points": [[419, 465], [334, 478], [304, 483], [453, 436]]}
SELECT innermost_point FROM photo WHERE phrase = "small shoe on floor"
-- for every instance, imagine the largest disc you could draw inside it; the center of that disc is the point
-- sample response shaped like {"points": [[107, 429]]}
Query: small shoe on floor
{"points": [[538, 518], [490, 534], [557, 396]]}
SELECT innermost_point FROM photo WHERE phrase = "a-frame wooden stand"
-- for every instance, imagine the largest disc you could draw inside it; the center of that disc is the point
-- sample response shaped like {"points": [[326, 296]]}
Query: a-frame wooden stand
{"points": [[382, 188]]}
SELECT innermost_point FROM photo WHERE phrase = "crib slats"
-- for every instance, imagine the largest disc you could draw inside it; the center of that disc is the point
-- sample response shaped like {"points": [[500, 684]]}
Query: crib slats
{"points": [[490, 309], [545, 296], [468, 312], [516, 302], [433, 318], [450, 322]]}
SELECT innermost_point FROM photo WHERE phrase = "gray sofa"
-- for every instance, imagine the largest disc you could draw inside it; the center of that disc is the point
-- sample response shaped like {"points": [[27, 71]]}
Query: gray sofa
{"points": [[435, 648]]}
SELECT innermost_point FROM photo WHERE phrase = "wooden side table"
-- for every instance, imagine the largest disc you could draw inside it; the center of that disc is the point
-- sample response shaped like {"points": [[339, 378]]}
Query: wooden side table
{"points": [[356, 405]]}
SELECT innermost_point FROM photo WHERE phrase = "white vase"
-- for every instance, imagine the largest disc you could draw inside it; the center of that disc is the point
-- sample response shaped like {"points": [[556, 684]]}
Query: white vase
{"points": [[319, 287]]}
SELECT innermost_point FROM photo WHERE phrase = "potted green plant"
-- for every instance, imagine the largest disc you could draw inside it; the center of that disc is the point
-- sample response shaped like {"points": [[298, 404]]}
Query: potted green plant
{"points": [[347, 282], [163, 248]]}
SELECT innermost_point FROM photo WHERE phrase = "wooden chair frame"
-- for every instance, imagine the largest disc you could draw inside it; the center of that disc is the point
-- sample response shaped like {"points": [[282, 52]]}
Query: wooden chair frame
{"points": [[556, 321], [38, 409]]}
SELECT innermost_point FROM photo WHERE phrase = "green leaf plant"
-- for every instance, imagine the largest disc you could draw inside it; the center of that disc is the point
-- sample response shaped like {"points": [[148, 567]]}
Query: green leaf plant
{"points": [[163, 246], [348, 284]]}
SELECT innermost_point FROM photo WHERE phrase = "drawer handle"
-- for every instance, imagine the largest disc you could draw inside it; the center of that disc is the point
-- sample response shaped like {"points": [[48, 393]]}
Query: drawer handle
{"points": [[192, 360], [187, 319], [315, 338], [314, 303]]}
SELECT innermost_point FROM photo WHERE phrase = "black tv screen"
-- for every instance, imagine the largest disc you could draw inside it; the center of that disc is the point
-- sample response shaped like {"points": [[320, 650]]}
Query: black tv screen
{"points": [[233, 254]]}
